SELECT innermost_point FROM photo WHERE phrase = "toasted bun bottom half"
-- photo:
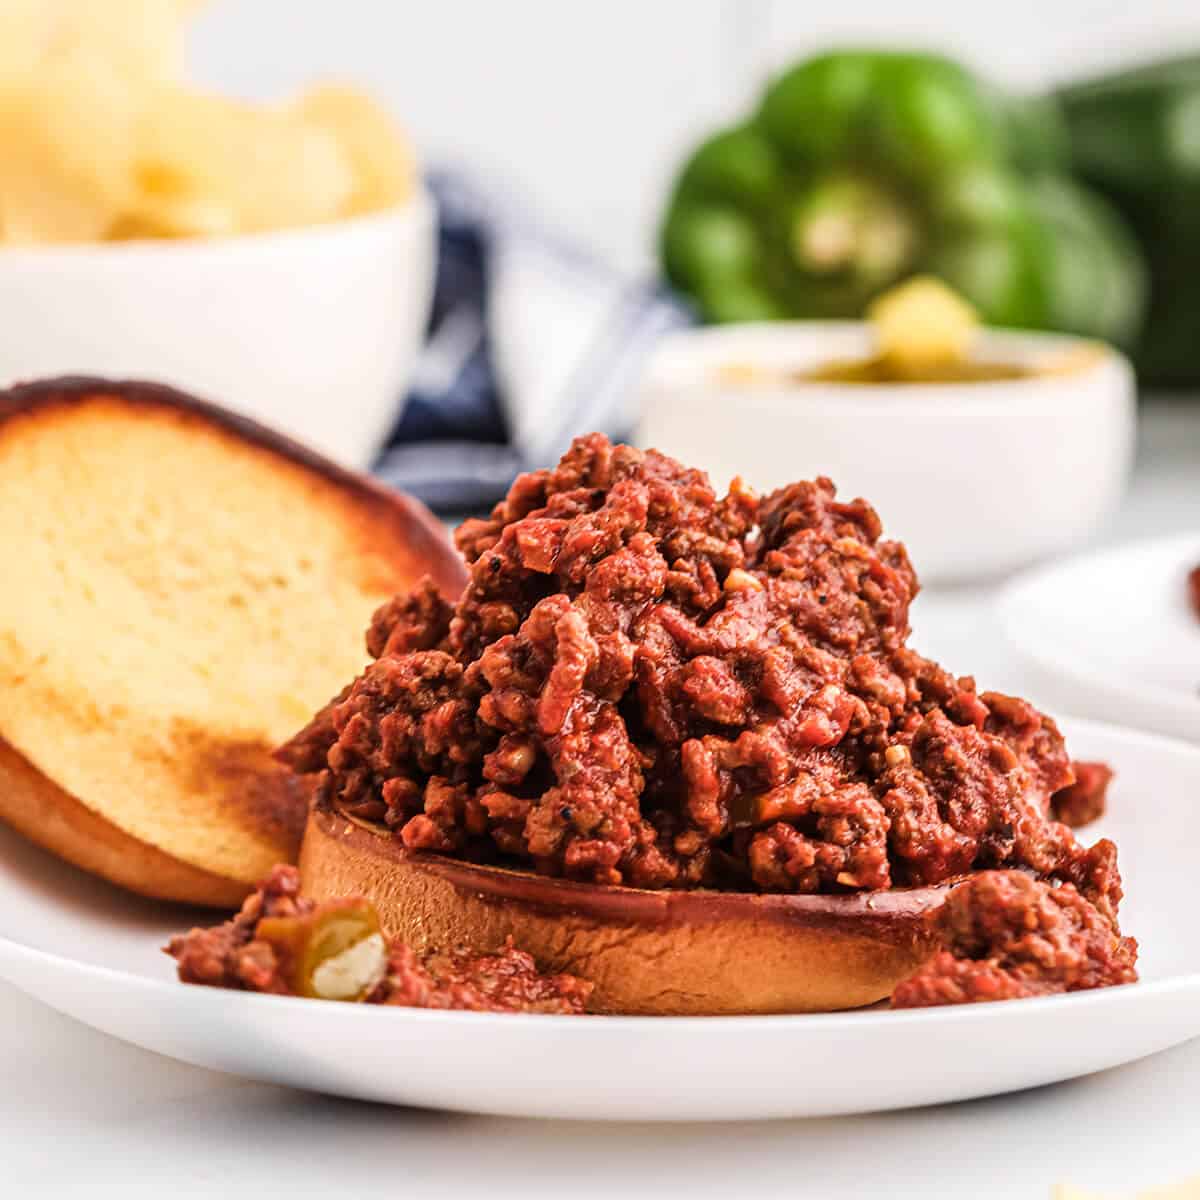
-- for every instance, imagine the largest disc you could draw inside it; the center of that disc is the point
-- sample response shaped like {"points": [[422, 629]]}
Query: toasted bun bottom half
{"points": [[652, 953]]}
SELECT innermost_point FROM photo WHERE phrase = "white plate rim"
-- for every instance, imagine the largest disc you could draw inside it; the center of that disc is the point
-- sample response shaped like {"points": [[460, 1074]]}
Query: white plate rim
{"points": [[231, 1000], [1041, 652]]}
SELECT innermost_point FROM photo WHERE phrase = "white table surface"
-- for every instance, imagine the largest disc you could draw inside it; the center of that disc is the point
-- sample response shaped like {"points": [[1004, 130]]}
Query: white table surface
{"points": [[81, 1114]]}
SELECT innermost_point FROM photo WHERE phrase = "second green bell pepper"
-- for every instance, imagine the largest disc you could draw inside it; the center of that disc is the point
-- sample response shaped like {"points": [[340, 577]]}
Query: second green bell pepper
{"points": [[1135, 137], [862, 168]]}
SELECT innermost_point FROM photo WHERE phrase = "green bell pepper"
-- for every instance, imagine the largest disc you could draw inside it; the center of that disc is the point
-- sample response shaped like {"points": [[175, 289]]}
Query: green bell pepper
{"points": [[1135, 138], [861, 168]]}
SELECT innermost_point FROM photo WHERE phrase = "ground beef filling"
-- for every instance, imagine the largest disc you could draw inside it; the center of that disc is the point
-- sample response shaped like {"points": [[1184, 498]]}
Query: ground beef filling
{"points": [[1007, 936], [1083, 802], [256, 951], [647, 684]]}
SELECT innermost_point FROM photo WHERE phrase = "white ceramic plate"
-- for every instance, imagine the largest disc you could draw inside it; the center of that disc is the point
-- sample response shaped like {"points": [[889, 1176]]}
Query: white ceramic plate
{"points": [[93, 953], [1110, 635]]}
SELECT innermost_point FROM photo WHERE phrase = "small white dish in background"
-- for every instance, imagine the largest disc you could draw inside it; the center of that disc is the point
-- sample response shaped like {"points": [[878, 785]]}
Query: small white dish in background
{"points": [[94, 953], [1112, 635], [313, 331], [975, 478]]}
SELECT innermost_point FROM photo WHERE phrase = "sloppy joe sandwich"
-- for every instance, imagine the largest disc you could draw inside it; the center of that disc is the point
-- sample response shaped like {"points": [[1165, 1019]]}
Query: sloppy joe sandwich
{"points": [[676, 743], [181, 589]]}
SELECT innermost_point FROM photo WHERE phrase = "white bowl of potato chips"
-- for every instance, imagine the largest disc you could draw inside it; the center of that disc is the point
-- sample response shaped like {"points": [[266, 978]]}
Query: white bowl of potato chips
{"points": [[277, 257]]}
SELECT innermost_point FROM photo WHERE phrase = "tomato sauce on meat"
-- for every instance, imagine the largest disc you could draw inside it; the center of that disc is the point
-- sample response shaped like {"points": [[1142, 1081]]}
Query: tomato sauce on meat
{"points": [[1008, 936], [650, 684], [1083, 801], [251, 953]]}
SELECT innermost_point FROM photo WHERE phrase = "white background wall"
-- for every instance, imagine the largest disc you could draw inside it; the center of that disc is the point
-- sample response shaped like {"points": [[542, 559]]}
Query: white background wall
{"points": [[586, 105]]}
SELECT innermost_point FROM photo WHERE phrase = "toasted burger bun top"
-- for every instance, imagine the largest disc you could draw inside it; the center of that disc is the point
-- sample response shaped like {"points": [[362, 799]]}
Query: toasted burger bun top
{"points": [[184, 587], [649, 952]]}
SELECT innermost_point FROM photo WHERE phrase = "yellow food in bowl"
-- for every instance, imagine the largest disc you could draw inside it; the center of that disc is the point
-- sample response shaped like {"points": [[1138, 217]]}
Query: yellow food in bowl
{"points": [[924, 333], [102, 138], [922, 328]]}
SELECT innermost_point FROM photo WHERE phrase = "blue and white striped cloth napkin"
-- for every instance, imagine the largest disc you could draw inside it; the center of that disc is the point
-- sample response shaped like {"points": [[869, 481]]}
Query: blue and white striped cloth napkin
{"points": [[530, 343]]}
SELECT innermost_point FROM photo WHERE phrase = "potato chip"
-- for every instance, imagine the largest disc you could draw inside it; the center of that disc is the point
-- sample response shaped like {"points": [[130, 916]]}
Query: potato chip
{"points": [[67, 143], [1189, 1189], [146, 38], [101, 138], [371, 140], [200, 154], [24, 35], [186, 174], [290, 173], [153, 216]]}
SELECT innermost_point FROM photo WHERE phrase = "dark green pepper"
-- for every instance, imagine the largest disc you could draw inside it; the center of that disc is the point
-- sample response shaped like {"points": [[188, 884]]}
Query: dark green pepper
{"points": [[861, 168], [1135, 138]]}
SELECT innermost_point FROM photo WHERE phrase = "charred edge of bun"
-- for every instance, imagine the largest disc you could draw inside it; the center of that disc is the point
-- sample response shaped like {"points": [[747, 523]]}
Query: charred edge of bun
{"points": [[413, 520], [647, 952]]}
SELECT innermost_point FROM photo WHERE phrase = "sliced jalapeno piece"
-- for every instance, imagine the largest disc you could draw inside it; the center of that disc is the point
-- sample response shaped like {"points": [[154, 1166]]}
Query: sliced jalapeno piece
{"points": [[335, 953]]}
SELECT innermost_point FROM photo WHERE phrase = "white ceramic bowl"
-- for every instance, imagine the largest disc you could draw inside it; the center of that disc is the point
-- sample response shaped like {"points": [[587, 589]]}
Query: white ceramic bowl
{"points": [[977, 478], [313, 331]]}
